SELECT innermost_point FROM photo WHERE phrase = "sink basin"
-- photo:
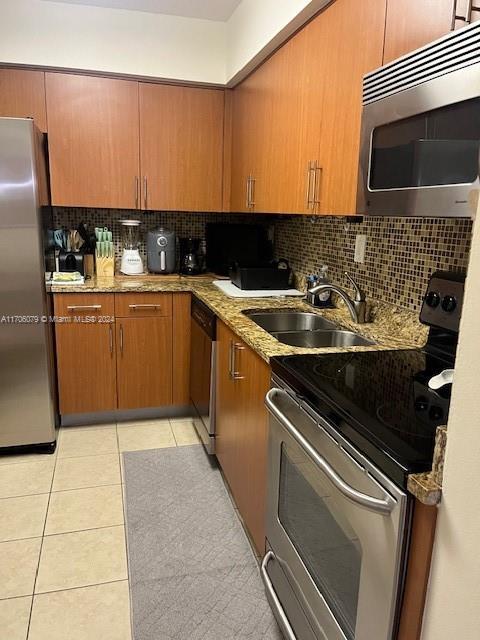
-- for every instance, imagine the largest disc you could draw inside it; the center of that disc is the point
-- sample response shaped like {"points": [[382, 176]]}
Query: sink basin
{"points": [[318, 339], [297, 321]]}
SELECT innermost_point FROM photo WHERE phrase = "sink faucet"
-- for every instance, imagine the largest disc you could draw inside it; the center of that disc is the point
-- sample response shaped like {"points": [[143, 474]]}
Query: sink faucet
{"points": [[357, 307]]}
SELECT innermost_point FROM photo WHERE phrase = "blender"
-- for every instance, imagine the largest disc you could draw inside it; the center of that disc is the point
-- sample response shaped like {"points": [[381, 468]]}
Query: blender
{"points": [[132, 263]]}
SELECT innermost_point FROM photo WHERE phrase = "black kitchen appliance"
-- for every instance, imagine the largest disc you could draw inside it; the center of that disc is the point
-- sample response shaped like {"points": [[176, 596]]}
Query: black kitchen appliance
{"points": [[191, 259], [245, 244], [71, 261], [273, 276], [345, 431]]}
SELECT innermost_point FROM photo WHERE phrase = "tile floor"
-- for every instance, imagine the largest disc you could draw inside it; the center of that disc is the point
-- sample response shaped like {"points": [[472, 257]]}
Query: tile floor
{"points": [[63, 572]]}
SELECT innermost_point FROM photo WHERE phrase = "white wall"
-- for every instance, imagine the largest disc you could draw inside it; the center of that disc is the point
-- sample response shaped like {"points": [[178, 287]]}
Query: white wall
{"points": [[453, 603], [258, 27], [111, 40]]}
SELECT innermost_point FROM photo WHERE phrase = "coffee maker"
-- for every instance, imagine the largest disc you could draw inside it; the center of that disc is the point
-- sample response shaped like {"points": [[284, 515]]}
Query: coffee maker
{"points": [[191, 262]]}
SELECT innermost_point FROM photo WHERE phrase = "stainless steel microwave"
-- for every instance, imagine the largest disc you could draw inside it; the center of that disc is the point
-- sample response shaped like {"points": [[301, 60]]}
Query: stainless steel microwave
{"points": [[420, 141]]}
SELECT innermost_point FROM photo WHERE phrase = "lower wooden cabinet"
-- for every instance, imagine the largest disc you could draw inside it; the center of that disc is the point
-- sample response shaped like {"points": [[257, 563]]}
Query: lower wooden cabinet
{"points": [[243, 379], [122, 351], [144, 362]]}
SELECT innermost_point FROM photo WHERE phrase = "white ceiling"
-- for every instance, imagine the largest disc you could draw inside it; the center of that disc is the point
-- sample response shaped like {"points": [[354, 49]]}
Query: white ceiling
{"points": [[218, 10]]}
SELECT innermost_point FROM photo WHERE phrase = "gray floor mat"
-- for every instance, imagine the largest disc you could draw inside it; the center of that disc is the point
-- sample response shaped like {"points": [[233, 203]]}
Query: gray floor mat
{"points": [[193, 575]]}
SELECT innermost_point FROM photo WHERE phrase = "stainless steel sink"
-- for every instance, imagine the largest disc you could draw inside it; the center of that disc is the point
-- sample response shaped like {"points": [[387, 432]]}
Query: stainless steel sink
{"points": [[317, 339], [290, 321]]}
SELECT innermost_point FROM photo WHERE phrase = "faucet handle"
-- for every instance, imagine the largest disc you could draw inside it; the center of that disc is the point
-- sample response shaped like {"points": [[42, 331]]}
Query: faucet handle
{"points": [[359, 295]]}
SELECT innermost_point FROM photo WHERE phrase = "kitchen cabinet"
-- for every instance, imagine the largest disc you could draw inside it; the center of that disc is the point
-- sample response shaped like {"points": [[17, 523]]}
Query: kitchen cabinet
{"points": [[181, 147], [122, 351], [296, 119], [93, 141], [243, 380], [22, 95], [412, 24], [144, 362], [85, 346]]}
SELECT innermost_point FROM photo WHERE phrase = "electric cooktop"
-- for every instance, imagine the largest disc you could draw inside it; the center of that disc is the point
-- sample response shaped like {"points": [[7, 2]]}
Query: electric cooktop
{"points": [[381, 401]]}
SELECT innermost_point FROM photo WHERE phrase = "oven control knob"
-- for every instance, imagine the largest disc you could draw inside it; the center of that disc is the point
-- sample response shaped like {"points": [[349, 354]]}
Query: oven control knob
{"points": [[432, 299], [449, 304]]}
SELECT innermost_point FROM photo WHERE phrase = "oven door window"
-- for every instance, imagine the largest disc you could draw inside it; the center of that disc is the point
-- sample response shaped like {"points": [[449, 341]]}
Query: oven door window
{"points": [[439, 147], [323, 539]]}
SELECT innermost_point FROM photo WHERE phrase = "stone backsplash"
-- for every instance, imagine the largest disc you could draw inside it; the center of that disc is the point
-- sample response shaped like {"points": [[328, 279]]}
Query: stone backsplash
{"points": [[401, 253]]}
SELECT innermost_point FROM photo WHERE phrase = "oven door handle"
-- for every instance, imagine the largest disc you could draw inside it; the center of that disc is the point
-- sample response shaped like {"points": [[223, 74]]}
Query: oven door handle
{"points": [[282, 616], [382, 506]]}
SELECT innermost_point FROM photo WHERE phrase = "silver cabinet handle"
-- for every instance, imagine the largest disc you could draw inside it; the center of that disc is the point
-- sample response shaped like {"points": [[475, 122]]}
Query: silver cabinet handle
{"points": [[137, 198], [247, 197], [317, 171], [282, 616], [230, 360], [121, 339], [252, 191], [235, 375], [381, 506], [144, 306], [309, 185], [468, 16], [145, 192], [110, 336], [84, 307]]}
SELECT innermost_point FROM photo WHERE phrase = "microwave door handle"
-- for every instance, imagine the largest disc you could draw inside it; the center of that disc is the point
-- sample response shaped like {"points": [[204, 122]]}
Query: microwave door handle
{"points": [[381, 506], [282, 617]]}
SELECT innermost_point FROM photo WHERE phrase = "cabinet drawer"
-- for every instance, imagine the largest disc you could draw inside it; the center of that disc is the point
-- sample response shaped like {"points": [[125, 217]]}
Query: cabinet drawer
{"points": [[141, 305], [84, 304]]}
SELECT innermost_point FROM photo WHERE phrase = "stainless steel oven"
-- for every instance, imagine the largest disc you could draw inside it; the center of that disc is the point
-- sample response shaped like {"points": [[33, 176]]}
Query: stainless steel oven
{"points": [[336, 530], [202, 371], [420, 138]]}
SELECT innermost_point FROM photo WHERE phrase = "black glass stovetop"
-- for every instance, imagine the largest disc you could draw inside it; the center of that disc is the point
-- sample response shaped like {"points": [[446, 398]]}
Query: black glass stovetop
{"points": [[379, 400]]}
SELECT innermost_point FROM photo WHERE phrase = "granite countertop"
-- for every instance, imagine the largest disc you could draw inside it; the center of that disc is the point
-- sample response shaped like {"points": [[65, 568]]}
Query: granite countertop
{"points": [[427, 487], [390, 328]]}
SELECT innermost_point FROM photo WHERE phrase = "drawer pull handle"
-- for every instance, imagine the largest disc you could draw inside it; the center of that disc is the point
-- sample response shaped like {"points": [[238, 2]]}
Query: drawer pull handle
{"points": [[143, 306], [84, 307]]}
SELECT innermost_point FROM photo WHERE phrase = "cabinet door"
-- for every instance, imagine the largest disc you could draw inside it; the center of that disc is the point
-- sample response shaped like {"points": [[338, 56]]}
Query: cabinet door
{"points": [[228, 431], [86, 367], [181, 131], [93, 141], [22, 95], [144, 362], [345, 42], [290, 132], [412, 24]]}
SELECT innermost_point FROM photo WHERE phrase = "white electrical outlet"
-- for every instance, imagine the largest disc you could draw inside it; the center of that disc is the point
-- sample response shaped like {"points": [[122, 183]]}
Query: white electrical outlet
{"points": [[360, 246]]}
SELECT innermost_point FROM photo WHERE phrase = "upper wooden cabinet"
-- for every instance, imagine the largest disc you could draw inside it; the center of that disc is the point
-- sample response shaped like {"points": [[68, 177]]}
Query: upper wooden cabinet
{"points": [[412, 24], [93, 141], [296, 120], [22, 95], [181, 147]]}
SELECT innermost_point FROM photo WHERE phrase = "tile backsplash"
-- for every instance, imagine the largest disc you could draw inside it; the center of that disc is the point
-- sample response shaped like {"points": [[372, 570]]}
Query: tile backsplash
{"points": [[401, 253]]}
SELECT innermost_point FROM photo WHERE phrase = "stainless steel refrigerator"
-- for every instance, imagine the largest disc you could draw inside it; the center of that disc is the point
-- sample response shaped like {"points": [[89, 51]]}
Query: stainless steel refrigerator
{"points": [[27, 384]]}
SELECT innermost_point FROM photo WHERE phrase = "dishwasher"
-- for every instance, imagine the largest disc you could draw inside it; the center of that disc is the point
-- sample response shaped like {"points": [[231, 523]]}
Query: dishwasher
{"points": [[202, 372]]}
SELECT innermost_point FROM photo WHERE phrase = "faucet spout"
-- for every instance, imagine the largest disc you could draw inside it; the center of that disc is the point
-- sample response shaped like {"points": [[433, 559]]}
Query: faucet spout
{"points": [[357, 307]]}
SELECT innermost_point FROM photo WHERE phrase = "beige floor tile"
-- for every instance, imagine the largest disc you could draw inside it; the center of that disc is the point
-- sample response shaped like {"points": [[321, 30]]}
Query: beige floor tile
{"points": [[14, 617], [101, 612], [86, 471], [22, 517], [26, 479], [81, 559], [143, 423], [27, 457], [87, 441], [18, 566], [185, 433], [146, 436], [84, 509], [181, 419]]}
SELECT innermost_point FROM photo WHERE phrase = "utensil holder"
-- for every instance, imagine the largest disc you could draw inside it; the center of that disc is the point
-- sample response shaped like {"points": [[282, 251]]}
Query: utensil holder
{"points": [[105, 267]]}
